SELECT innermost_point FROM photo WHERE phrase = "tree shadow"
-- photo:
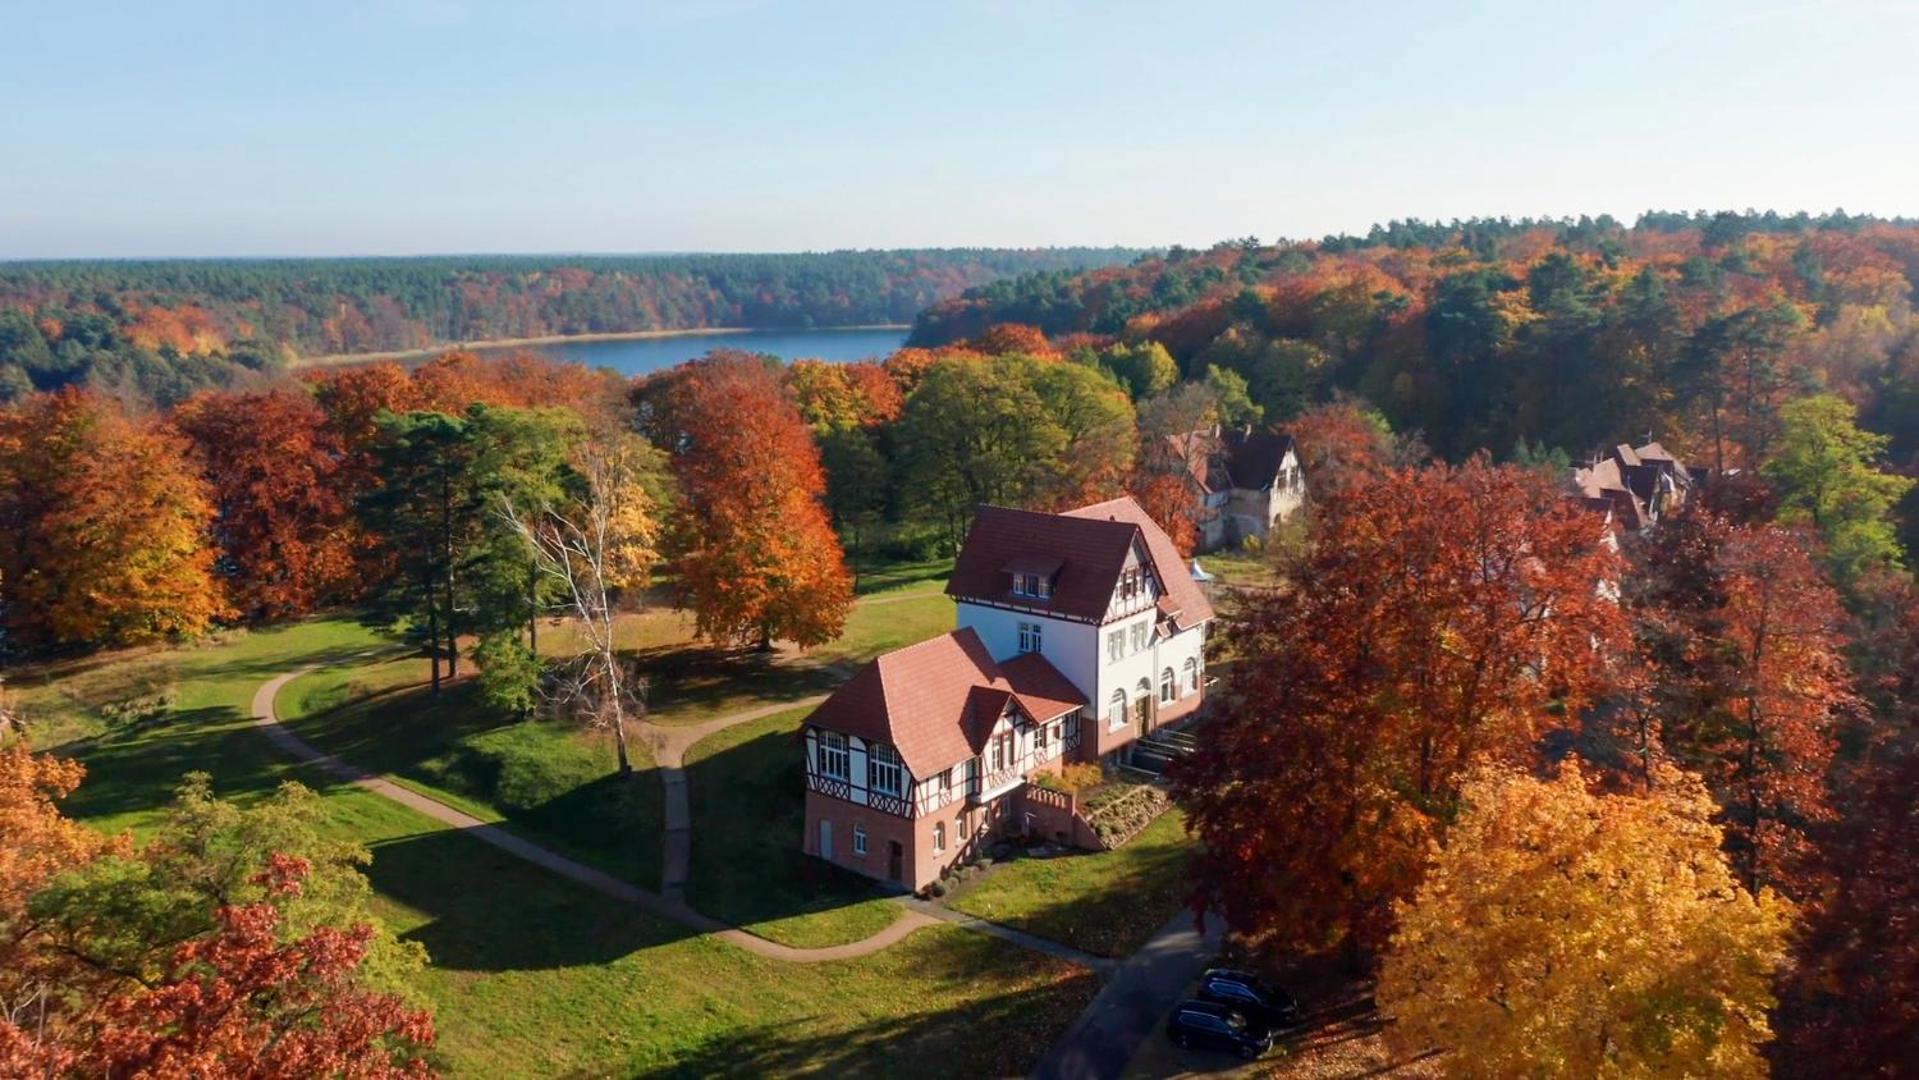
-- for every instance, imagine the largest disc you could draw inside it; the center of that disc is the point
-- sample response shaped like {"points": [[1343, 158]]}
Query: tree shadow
{"points": [[748, 803], [1002, 1035], [135, 770], [488, 911], [696, 680], [570, 801]]}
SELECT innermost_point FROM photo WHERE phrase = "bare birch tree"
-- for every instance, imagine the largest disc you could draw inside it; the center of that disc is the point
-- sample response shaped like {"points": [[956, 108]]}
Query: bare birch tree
{"points": [[596, 547]]}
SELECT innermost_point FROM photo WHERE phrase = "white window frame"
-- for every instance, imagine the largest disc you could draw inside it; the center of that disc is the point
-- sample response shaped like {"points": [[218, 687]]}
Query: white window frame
{"points": [[1040, 740], [833, 751], [946, 784], [1192, 676], [1116, 644], [1168, 686], [1140, 637], [1030, 637], [859, 839], [963, 820], [939, 836], [885, 772], [1119, 708]]}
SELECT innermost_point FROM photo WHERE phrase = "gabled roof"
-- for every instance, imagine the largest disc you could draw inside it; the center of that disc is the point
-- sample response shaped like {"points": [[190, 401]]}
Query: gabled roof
{"points": [[1235, 458], [1188, 603], [936, 702], [1253, 457], [1091, 546]]}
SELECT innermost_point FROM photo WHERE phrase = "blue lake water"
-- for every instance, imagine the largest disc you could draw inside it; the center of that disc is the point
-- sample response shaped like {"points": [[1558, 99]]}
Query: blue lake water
{"points": [[641, 355]]}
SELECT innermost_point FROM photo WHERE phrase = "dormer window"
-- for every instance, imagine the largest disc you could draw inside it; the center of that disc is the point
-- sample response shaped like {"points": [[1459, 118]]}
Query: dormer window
{"points": [[1034, 586]]}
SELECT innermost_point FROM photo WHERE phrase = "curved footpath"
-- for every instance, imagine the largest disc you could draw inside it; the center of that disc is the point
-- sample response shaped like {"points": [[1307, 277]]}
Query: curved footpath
{"points": [[671, 907]]}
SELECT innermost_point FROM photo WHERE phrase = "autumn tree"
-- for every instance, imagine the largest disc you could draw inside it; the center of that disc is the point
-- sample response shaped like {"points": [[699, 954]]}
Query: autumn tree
{"points": [[975, 431], [285, 532], [524, 457], [1825, 471], [1145, 368], [1342, 442], [1742, 640], [757, 557], [234, 942], [1563, 933], [849, 407], [594, 546], [1439, 617], [105, 522]]}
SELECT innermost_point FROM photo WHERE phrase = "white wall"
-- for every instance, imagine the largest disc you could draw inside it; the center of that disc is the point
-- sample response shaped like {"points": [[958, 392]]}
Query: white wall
{"points": [[1070, 646]]}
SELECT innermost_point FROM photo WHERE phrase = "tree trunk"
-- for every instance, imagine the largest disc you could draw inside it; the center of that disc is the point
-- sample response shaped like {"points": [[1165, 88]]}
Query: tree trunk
{"points": [[433, 636], [766, 638], [533, 611]]}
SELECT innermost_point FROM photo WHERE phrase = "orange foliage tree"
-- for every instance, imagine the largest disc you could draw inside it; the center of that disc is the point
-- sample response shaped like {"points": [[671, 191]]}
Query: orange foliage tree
{"points": [[283, 525], [758, 560], [1743, 639], [118, 963], [1439, 618], [243, 1002], [106, 526]]}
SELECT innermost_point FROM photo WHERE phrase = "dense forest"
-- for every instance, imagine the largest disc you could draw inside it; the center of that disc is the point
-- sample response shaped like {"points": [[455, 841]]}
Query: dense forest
{"points": [[1562, 334], [164, 328]]}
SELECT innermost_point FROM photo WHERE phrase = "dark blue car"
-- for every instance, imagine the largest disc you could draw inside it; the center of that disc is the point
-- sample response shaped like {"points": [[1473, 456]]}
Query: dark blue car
{"points": [[1208, 1025], [1246, 992]]}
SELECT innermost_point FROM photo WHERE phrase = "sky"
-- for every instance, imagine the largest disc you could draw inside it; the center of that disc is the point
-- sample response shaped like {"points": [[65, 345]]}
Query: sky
{"points": [[289, 127]]}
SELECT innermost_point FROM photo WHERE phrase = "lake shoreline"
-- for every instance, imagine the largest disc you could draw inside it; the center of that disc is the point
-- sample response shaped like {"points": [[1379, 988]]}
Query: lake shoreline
{"points": [[347, 359]]}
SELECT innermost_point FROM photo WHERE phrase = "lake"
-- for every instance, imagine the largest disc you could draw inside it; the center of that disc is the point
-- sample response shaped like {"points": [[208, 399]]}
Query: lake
{"points": [[637, 356]]}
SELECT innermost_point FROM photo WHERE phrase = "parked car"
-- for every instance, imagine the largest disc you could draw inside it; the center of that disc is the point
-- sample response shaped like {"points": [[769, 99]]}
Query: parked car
{"points": [[1212, 1026], [1251, 995]]}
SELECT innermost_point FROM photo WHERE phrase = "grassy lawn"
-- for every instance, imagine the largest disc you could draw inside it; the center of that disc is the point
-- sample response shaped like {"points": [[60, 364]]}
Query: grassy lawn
{"points": [[748, 814], [689, 682], [1105, 902], [532, 976], [1241, 568], [549, 782]]}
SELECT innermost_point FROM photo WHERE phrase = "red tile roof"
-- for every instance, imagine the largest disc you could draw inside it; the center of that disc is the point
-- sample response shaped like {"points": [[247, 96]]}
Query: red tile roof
{"points": [[1189, 605], [937, 701], [1091, 546]]}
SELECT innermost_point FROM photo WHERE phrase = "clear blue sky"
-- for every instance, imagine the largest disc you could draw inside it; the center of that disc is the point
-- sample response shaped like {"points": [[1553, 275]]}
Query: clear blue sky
{"points": [[284, 127]]}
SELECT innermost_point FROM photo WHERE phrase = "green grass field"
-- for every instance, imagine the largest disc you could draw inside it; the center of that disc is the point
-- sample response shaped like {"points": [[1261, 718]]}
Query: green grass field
{"points": [[550, 782], [748, 813], [532, 976], [1105, 902]]}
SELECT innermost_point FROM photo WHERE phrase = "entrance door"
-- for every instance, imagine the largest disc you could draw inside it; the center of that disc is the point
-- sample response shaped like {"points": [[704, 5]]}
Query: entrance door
{"points": [[826, 840], [1143, 713], [895, 857]]}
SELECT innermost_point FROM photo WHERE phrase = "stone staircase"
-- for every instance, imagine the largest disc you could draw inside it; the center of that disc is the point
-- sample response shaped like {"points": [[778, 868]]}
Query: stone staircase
{"points": [[1156, 749]]}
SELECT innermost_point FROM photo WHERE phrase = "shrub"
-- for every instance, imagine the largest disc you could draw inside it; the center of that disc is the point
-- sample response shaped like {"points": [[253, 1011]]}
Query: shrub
{"points": [[937, 889]]}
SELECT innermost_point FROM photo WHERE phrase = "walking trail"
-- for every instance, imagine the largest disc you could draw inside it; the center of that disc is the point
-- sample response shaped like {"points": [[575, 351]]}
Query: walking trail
{"points": [[671, 907]]}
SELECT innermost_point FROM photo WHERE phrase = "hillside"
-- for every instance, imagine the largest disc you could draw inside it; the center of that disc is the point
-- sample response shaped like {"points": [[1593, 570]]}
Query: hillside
{"points": [[165, 327], [1566, 334]]}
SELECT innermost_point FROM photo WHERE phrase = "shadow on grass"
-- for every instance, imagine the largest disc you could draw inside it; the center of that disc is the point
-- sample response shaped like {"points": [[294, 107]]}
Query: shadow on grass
{"points": [[487, 911], [544, 780], [749, 812], [1000, 1035], [135, 770], [694, 681], [884, 576]]}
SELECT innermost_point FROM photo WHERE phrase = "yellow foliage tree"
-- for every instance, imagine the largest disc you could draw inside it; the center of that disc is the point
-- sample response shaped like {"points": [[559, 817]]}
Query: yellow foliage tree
{"points": [[1562, 933]]}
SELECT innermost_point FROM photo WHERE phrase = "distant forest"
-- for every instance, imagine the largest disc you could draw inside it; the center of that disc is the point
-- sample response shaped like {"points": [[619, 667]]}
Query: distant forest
{"points": [[1571, 333], [164, 328]]}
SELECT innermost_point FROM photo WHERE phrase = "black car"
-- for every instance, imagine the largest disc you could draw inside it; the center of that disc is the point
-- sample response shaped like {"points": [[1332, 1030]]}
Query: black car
{"points": [[1246, 992], [1212, 1026]]}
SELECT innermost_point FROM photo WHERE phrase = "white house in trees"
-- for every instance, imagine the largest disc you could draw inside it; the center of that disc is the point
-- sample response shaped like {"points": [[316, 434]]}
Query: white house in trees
{"points": [[1078, 633]]}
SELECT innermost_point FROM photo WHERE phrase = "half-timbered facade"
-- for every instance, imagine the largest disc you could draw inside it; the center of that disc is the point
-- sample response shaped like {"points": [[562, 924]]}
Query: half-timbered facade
{"points": [[1078, 633]]}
